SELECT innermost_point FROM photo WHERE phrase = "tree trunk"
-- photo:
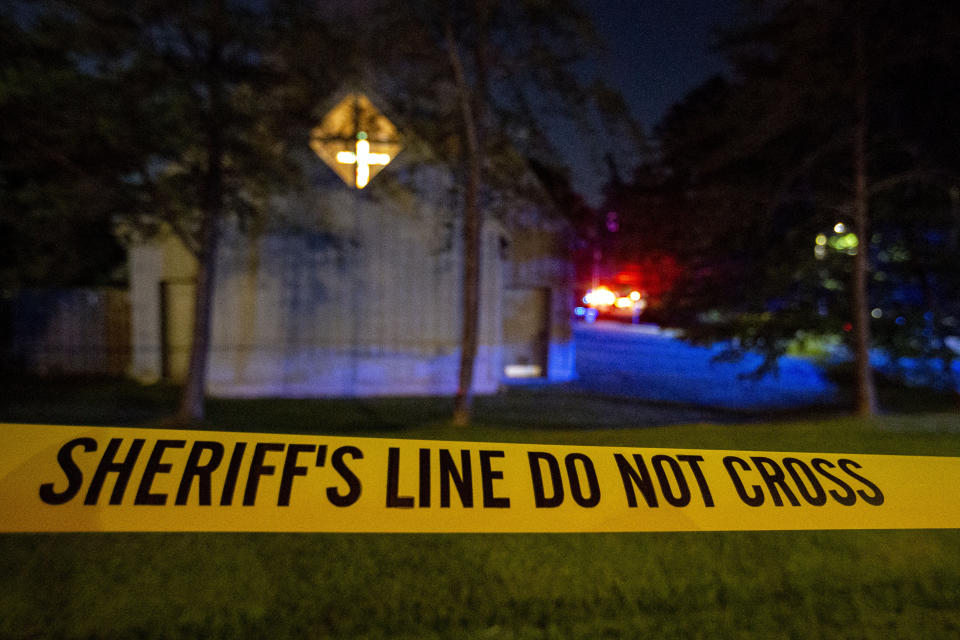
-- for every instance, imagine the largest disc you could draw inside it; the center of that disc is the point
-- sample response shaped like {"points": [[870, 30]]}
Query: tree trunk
{"points": [[866, 396], [463, 401], [192, 408]]}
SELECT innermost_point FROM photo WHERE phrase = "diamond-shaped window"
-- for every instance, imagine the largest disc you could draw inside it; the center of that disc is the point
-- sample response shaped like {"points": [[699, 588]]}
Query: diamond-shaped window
{"points": [[355, 140]]}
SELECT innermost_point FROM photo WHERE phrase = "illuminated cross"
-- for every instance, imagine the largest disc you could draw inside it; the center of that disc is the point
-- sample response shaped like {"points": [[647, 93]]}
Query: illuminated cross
{"points": [[363, 159], [355, 140]]}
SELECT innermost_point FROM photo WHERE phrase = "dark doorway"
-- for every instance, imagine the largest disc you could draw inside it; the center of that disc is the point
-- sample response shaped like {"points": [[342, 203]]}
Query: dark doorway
{"points": [[176, 327], [526, 332]]}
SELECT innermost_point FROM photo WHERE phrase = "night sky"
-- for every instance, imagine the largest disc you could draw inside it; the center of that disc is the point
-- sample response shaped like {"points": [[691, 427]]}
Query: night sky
{"points": [[659, 50], [656, 52]]}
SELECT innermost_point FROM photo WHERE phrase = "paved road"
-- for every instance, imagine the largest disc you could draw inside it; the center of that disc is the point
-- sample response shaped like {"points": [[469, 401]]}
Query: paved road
{"points": [[643, 362]]}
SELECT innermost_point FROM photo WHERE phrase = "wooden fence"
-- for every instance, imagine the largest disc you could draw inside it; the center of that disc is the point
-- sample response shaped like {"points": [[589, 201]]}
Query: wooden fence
{"points": [[53, 332]]}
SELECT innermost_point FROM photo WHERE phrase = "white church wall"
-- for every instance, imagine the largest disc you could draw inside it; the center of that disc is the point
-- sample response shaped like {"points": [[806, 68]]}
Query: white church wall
{"points": [[345, 293], [373, 309]]}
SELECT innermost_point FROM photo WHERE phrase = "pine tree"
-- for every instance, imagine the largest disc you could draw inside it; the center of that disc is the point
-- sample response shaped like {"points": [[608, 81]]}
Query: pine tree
{"points": [[818, 124]]}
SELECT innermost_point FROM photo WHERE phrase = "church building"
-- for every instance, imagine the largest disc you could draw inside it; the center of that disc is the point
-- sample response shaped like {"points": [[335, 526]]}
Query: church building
{"points": [[352, 286]]}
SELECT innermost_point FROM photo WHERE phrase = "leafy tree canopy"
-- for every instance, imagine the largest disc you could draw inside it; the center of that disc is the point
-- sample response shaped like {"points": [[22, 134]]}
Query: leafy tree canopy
{"points": [[756, 171]]}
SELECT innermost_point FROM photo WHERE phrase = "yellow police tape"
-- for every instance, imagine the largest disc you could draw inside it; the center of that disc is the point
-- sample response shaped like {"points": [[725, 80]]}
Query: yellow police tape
{"points": [[55, 478]]}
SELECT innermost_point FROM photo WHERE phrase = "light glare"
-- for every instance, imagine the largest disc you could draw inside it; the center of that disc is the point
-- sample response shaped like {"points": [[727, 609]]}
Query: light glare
{"points": [[600, 297], [363, 159]]}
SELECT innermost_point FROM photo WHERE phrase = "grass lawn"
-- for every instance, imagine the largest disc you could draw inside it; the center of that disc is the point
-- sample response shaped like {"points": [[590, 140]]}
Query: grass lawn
{"points": [[866, 584]]}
